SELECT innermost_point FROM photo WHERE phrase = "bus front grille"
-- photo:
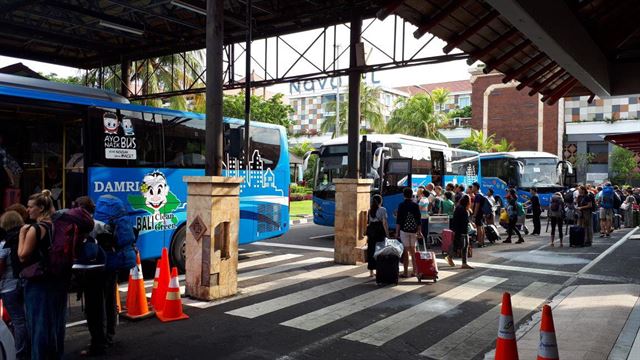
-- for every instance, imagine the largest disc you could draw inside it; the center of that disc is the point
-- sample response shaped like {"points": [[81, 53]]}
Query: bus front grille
{"points": [[268, 218]]}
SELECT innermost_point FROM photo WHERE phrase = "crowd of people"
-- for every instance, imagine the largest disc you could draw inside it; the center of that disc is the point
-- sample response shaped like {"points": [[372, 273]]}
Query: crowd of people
{"points": [[35, 276], [472, 213]]}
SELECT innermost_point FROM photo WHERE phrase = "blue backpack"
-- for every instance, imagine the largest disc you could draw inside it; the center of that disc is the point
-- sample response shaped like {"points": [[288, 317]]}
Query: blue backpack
{"points": [[606, 200], [121, 252]]}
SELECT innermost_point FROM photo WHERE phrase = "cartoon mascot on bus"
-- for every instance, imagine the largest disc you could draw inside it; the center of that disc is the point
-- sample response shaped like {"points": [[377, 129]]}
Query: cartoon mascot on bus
{"points": [[155, 191]]}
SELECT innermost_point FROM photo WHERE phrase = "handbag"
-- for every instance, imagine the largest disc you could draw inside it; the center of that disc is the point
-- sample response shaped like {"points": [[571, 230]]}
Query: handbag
{"points": [[624, 206]]}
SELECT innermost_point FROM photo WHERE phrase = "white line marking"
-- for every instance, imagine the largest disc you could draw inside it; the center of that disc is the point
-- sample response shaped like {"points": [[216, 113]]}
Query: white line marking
{"points": [[398, 324], [147, 283], [253, 254], [343, 309], [272, 259], [629, 336], [273, 285], [607, 252], [467, 341], [321, 236], [293, 246], [269, 306], [517, 268], [281, 268], [77, 323]]}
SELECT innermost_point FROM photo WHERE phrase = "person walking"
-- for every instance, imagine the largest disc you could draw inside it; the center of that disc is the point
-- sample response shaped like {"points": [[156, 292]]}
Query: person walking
{"points": [[490, 218], [424, 204], [407, 225], [479, 212], [556, 212], [45, 296], [460, 227], [606, 204], [377, 230], [512, 211], [627, 208], [10, 285], [536, 209], [586, 205]]}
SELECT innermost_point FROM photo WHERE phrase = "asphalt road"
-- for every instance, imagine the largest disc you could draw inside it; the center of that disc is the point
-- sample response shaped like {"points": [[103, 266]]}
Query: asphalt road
{"points": [[294, 303]]}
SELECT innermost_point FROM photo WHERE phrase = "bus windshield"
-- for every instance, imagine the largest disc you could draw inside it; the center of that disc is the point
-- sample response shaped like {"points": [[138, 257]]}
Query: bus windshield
{"points": [[540, 172], [329, 168]]}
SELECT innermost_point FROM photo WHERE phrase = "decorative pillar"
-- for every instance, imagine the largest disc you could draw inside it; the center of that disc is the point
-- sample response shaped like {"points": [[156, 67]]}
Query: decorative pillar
{"points": [[213, 215], [353, 198]]}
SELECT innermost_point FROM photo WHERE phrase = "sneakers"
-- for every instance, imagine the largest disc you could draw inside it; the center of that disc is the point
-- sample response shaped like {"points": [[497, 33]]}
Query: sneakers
{"points": [[450, 261], [508, 241], [466, 266], [520, 241]]}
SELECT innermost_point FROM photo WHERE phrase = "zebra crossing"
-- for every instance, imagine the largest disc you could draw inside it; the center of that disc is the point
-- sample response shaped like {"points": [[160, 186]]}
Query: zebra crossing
{"points": [[286, 280]]}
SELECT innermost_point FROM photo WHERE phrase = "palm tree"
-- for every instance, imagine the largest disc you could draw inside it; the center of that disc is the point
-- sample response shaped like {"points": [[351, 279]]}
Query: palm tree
{"points": [[440, 97], [370, 112], [504, 146], [416, 116], [478, 141]]}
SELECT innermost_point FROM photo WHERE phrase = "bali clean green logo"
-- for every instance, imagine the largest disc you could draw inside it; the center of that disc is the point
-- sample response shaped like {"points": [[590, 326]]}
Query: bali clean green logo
{"points": [[158, 201]]}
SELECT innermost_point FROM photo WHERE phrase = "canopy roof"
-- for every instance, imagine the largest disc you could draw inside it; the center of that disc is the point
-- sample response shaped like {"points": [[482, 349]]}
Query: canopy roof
{"points": [[630, 141]]}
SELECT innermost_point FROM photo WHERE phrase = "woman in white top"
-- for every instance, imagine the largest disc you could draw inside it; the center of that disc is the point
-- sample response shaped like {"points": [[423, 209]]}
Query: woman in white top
{"points": [[377, 230]]}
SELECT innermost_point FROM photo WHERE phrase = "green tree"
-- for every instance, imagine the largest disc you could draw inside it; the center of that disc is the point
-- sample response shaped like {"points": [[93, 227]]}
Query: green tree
{"points": [[478, 141], [370, 111], [504, 146], [416, 116], [581, 163], [299, 150], [272, 110], [75, 80], [624, 165], [465, 112], [440, 97]]}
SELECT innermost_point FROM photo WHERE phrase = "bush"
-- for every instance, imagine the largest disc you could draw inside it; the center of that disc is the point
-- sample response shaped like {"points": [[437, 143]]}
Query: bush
{"points": [[296, 197]]}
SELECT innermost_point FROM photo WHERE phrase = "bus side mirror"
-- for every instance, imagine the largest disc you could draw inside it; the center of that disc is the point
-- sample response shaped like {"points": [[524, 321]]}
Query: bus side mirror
{"points": [[305, 159], [378, 156], [236, 142]]}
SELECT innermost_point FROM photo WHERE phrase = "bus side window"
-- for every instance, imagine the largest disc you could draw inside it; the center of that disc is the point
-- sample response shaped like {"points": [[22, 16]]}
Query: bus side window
{"points": [[184, 142], [266, 143]]}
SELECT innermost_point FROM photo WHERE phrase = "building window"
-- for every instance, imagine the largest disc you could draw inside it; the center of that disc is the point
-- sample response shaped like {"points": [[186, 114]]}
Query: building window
{"points": [[464, 100], [601, 152]]}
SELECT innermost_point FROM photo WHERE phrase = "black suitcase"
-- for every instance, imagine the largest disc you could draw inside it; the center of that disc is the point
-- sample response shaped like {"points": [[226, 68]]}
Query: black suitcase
{"points": [[576, 236], [491, 233], [387, 269]]}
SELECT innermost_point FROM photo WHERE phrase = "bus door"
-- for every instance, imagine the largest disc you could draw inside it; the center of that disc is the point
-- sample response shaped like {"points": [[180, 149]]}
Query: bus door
{"points": [[74, 182], [396, 177], [437, 167]]}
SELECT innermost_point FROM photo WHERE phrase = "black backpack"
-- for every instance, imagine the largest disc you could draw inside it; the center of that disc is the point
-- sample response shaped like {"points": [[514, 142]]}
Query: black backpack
{"points": [[409, 225]]}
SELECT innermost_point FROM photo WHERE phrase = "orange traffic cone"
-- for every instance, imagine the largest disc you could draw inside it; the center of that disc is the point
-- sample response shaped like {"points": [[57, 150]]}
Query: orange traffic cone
{"points": [[548, 348], [173, 305], [137, 307], [163, 281], [506, 348], [155, 293]]}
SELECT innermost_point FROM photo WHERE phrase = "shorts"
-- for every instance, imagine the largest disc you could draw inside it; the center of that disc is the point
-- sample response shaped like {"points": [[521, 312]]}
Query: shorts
{"points": [[408, 239], [478, 220], [606, 214]]}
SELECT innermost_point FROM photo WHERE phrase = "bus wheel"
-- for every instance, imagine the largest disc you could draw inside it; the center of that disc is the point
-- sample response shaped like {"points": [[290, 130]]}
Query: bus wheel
{"points": [[179, 249]]}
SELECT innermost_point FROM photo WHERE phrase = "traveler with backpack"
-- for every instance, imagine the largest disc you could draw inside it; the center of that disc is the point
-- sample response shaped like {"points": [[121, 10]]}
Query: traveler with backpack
{"points": [[556, 208], [460, 227], [424, 204], [116, 235], [46, 252], [408, 228], [627, 208], [607, 202], [481, 208], [377, 230], [10, 284], [586, 204], [513, 210]]}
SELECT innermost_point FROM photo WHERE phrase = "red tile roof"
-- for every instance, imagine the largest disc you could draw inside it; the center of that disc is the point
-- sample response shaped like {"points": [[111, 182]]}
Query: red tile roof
{"points": [[453, 86]]}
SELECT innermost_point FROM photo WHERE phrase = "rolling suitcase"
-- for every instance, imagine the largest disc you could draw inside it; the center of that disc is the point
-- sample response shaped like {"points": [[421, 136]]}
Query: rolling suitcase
{"points": [[491, 233], [387, 269], [426, 265], [576, 236], [447, 241]]}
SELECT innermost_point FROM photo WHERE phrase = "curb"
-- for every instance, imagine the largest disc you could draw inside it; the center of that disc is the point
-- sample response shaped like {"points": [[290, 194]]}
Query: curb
{"points": [[307, 219]]}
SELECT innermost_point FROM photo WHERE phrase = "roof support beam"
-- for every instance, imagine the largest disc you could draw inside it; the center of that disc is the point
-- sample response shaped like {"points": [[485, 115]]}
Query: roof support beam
{"points": [[429, 24], [554, 29], [547, 81], [458, 39], [531, 79], [508, 55], [474, 56], [560, 90], [519, 71]]}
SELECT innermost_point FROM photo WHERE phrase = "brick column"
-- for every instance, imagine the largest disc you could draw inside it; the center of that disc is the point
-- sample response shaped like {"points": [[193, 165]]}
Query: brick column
{"points": [[213, 216], [353, 198]]}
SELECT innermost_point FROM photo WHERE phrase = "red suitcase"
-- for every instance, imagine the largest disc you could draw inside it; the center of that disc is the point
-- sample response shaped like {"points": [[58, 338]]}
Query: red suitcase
{"points": [[447, 241], [427, 268]]}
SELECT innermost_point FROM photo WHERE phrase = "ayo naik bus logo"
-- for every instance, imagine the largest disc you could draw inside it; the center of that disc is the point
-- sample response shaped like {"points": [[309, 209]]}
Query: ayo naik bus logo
{"points": [[158, 201]]}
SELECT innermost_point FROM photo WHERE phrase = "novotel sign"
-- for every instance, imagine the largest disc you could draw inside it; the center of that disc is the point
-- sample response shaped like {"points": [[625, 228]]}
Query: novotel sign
{"points": [[310, 86]]}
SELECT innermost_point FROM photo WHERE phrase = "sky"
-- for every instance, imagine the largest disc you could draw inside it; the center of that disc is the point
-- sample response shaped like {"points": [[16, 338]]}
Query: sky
{"points": [[377, 33]]}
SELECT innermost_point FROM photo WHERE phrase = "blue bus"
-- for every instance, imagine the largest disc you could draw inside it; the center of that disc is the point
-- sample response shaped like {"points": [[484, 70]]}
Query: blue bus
{"points": [[521, 170], [79, 141], [393, 161]]}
